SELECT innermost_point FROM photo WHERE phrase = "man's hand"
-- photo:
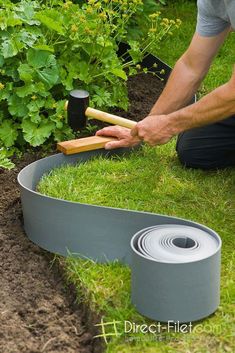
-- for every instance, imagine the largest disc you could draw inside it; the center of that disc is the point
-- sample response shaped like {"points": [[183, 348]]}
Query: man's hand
{"points": [[125, 139], [154, 130]]}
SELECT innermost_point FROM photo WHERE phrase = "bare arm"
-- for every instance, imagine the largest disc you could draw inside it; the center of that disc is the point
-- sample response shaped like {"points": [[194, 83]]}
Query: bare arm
{"points": [[166, 117], [164, 121], [215, 106], [188, 73]]}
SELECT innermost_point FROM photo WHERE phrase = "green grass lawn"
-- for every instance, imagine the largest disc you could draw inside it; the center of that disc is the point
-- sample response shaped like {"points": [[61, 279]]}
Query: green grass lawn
{"points": [[153, 180]]}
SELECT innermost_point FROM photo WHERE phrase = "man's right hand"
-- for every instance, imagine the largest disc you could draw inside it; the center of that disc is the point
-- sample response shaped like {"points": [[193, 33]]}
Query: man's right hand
{"points": [[124, 138]]}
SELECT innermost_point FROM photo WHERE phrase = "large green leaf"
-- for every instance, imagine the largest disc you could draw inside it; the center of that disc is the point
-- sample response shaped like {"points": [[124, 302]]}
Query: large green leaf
{"points": [[25, 90], [119, 73], [52, 20], [4, 161], [40, 58], [49, 75], [8, 133], [25, 11], [36, 134], [25, 72], [36, 89], [35, 117], [11, 47], [17, 106], [27, 37], [44, 66]]}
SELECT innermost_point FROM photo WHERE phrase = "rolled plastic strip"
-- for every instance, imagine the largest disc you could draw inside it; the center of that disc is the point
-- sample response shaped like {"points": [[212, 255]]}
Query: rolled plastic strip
{"points": [[175, 262], [175, 272]]}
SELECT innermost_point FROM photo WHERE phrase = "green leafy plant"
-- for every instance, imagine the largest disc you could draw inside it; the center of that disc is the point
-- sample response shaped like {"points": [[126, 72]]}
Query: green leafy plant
{"points": [[48, 48], [5, 162]]}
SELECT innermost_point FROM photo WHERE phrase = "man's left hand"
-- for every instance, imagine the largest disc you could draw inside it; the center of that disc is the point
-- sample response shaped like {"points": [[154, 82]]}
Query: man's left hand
{"points": [[154, 130]]}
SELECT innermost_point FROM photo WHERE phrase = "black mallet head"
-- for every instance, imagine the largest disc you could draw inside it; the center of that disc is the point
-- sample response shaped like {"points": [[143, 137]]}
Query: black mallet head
{"points": [[77, 105]]}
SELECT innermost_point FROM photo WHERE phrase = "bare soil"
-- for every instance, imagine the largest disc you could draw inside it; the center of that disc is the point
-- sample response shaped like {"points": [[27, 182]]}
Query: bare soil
{"points": [[38, 311]]}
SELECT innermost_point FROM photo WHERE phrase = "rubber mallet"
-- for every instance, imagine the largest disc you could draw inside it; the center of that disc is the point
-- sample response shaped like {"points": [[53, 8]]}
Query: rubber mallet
{"points": [[78, 112]]}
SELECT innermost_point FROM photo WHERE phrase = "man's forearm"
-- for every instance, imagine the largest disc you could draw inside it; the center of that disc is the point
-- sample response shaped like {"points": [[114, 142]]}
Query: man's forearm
{"points": [[180, 88], [213, 107], [157, 129]]}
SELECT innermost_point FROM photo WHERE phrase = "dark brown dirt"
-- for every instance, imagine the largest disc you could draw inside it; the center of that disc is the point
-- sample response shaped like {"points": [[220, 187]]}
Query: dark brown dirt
{"points": [[143, 91], [38, 312]]}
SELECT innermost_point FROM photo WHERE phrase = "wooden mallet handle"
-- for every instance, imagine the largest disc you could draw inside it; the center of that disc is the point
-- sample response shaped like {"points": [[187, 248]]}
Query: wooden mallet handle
{"points": [[109, 118]]}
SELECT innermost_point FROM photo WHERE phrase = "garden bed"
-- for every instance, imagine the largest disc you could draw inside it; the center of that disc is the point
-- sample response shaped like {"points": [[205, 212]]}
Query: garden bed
{"points": [[38, 310]]}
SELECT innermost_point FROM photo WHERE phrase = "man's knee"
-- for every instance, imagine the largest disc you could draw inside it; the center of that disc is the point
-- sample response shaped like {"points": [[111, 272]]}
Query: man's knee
{"points": [[208, 147], [185, 155], [194, 155]]}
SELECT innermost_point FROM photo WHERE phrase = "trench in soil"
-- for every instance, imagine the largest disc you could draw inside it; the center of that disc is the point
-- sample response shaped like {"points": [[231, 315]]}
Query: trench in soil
{"points": [[38, 309]]}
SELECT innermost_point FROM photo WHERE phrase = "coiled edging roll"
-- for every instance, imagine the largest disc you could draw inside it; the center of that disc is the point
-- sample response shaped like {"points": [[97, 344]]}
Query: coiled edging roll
{"points": [[175, 272], [175, 269]]}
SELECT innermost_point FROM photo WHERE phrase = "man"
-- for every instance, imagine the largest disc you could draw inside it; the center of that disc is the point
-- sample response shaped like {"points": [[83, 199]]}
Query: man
{"points": [[206, 136]]}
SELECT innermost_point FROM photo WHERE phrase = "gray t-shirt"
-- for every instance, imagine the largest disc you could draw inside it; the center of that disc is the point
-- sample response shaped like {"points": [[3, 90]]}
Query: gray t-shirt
{"points": [[214, 16]]}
